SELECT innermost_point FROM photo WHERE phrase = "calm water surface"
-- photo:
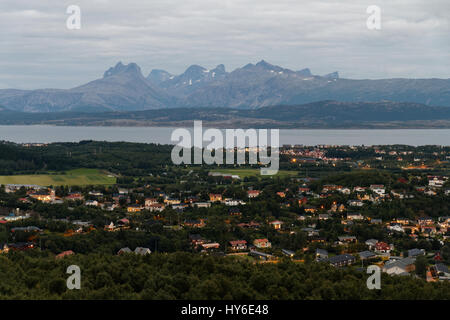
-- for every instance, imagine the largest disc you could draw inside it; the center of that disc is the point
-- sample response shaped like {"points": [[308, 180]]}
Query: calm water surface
{"points": [[48, 134]]}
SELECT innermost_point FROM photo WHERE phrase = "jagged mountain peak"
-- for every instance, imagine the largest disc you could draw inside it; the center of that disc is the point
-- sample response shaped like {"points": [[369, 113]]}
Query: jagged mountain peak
{"points": [[159, 76], [220, 69], [305, 72], [253, 86], [121, 68], [194, 69], [333, 75]]}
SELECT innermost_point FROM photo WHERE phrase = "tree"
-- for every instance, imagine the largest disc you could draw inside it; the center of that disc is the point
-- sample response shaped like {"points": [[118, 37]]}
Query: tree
{"points": [[421, 266]]}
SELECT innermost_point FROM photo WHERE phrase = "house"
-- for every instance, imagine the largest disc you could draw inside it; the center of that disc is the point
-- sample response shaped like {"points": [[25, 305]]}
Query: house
{"points": [[235, 212], [196, 239], [64, 254], [288, 253], [367, 255], [181, 206], [311, 232], [262, 243], [110, 227], [123, 223], [142, 251], [10, 188], [341, 260], [442, 271], [281, 194], [276, 224], [124, 250], [331, 187], [26, 229], [371, 243], [402, 221], [238, 245], [253, 193], [109, 206], [96, 193], [172, 201], [210, 246], [324, 216], [4, 248], [376, 221], [214, 197], [43, 195], [310, 209], [149, 202], [302, 201], [436, 181], [355, 216], [91, 203], [428, 230], [345, 191], [382, 247], [321, 254], [378, 189], [416, 252], [261, 255], [201, 204], [423, 221], [400, 267], [396, 227], [233, 202], [359, 189], [194, 223], [76, 196], [156, 207], [134, 208], [303, 190], [250, 225], [355, 203], [347, 239]]}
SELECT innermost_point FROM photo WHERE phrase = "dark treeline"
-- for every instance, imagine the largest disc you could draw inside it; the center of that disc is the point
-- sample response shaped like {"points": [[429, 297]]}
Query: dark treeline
{"points": [[189, 276], [119, 157]]}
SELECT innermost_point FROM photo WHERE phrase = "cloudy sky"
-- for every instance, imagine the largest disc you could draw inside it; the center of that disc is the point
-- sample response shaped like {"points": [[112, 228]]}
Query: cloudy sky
{"points": [[38, 51]]}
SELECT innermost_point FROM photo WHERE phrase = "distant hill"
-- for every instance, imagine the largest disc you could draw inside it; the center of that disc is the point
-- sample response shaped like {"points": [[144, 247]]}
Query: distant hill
{"points": [[322, 114], [124, 88]]}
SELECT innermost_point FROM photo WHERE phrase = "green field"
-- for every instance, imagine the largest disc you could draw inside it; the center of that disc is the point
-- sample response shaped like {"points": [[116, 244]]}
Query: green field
{"points": [[79, 177], [242, 173]]}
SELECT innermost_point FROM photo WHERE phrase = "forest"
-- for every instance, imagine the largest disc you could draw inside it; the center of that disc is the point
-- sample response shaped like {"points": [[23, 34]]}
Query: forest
{"points": [[189, 276]]}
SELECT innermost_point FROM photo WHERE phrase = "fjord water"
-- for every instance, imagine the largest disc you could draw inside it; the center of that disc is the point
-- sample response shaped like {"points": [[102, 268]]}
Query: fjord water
{"points": [[162, 135]]}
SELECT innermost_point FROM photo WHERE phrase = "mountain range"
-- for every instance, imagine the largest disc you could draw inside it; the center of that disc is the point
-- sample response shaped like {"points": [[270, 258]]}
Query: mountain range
{"points": [[321, 114], [125, 88]]}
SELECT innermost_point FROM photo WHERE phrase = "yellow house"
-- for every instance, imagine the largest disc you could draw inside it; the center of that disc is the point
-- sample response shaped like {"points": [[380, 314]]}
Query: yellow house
{"points": [[134, 209], [213, 197]]}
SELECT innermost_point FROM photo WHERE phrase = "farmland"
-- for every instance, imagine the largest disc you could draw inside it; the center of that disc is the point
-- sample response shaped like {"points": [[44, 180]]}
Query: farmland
{"points": [[79, 177]]}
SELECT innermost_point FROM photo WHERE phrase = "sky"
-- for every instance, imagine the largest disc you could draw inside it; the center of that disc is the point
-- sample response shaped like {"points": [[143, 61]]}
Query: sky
{"points": [[37, 50]]}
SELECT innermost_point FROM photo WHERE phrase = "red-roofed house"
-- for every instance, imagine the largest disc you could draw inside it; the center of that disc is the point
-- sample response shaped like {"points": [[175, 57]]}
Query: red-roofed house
{"points": [[382, 247], [237, 245], [65, 254], [276, 224], [253, 193], [262, 243]]}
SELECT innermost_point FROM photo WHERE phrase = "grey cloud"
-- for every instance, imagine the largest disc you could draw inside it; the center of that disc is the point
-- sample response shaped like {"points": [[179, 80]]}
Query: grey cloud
{"points": [[38, 51]]}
